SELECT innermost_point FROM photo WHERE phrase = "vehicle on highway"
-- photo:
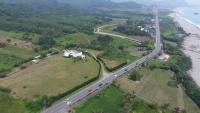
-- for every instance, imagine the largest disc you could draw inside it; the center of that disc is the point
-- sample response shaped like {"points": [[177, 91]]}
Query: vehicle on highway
{"points": [[69, 103], [101, 84]]}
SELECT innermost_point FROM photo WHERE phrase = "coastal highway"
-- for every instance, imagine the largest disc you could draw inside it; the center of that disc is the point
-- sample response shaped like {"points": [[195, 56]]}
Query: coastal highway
{"points": [[96, 87]]}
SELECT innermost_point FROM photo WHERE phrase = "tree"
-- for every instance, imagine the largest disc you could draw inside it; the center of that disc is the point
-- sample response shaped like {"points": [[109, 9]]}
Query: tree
{"points": [[135, 76], [46, 41], [128, 102], [104, 41], [2, 44]]}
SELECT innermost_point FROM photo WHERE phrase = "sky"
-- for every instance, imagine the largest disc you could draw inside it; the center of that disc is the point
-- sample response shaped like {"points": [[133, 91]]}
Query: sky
{"points": [[192, 2]]}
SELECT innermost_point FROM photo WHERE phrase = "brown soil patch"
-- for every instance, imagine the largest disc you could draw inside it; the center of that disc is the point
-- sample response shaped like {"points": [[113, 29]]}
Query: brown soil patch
{"points": [[18, 43], [112, 63]]}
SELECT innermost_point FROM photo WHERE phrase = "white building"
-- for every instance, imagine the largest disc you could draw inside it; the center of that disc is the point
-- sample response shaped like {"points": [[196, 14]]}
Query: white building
{"points": [[164, 57], [35, 61], [74, 54]]}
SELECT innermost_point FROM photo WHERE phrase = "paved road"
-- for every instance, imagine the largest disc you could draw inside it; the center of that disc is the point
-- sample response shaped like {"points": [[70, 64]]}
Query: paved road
{"points": [[68, 103], [98, 31]]}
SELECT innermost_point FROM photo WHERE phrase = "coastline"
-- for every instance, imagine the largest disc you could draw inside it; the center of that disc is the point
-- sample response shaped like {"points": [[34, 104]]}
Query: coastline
{"points": [[191, 44]]}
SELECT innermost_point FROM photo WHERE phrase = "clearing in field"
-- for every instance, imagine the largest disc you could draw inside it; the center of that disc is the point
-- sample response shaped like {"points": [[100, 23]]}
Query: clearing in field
{"points": [[50, 77], [154, 88]]}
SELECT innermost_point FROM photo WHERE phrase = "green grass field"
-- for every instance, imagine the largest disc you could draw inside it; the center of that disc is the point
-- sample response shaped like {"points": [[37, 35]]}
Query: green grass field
{"points": [[77, 38], [11, 56], [18, 52], [50, 77], [111, 100], [21, 36], [154, 88], [10, 105], [117, 42]]}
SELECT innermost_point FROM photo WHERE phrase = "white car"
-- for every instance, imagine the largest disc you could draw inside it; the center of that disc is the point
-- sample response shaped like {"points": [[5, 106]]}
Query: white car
{"points": [[115, 75], [68, 103]]}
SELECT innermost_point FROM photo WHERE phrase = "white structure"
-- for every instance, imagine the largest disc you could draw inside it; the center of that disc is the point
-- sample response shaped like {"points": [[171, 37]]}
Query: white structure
{"points": [[37, 57], [74, 54], [164, 57], [35, 61]]}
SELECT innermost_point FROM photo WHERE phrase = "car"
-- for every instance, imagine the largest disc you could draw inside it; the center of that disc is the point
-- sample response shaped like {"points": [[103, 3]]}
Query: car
{"points": [[115, 75], [68, 103], [125, 70], [101, 84]]}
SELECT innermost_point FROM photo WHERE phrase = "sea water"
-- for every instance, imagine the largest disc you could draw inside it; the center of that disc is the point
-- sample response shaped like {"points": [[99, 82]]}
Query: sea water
{"points": [[191, 14]]}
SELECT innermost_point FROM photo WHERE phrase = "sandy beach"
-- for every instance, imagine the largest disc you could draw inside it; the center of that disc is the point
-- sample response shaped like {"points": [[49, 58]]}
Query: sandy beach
{"points": [[191, 45]]}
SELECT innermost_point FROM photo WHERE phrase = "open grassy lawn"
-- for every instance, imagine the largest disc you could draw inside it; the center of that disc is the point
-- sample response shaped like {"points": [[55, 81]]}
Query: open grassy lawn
{"points": [[10, 105], [154, 88], [76, 38], [21, 36], [50, 77], [190, 106], [11, 56]]}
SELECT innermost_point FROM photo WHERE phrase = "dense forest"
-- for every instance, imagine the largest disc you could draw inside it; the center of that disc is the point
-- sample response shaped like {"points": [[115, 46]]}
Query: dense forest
{"points": [[53, 18]]}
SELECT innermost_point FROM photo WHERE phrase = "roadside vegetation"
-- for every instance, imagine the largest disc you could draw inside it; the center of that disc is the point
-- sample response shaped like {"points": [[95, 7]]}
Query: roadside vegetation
{"points": [[115, 100]]}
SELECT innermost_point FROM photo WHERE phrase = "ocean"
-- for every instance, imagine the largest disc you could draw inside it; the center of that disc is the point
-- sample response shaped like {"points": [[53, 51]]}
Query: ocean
{"points": [[191, 14]]}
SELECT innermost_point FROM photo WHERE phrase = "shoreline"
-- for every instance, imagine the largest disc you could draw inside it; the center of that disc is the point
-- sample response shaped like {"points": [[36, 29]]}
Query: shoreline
{"points": [[191, 44], [178, 13]]}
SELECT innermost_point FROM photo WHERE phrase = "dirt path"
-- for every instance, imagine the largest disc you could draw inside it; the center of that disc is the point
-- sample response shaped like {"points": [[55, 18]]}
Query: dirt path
{"points": [[98, 31]]}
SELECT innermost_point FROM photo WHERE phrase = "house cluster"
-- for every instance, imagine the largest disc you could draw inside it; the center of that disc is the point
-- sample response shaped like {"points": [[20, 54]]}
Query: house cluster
{"points": [[74, 54], [149, 25], [164, 57]]}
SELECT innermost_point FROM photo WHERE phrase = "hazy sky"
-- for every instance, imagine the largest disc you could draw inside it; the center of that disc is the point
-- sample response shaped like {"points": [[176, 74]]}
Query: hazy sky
{"points": [[194, 2]]}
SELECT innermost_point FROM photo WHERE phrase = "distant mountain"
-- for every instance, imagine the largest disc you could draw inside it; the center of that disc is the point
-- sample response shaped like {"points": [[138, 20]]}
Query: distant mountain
{"points": [[161, 3], [77, 3], [100, 3]]}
